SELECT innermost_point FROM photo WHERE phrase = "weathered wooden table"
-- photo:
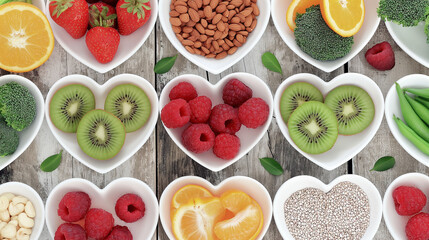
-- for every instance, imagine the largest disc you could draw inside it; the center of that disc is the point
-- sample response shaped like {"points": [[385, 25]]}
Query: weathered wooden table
{"points": [[160, 161]]}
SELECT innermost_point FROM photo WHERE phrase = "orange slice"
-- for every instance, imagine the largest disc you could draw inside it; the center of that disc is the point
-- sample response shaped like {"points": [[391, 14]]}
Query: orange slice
{"points": [[26, 38], [188, 193], [298, 6], [344, 17]]}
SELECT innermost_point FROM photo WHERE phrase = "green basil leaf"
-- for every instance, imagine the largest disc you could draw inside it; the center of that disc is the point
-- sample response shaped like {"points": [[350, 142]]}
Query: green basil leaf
{"points": [[270, 61], [272, 166], [383, 164], [51, 163], [164, 65]]}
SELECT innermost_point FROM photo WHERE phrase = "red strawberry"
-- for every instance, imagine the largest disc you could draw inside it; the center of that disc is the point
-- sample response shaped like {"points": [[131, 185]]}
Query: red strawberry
{"points": [[72, 15], [102, 14], [381, 56], [103, 43], [132, 14]]}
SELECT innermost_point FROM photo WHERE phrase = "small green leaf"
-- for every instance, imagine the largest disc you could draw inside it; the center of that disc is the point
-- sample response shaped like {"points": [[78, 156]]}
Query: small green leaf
{"points": [[270, 61], [383, 164], [272, 166], [164, 65], [51, 163]]}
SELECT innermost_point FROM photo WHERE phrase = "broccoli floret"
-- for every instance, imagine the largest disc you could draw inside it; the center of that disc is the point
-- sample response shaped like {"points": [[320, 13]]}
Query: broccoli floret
{"points": [[408, 13], [17, 105], [9, 139], [316, 39]]}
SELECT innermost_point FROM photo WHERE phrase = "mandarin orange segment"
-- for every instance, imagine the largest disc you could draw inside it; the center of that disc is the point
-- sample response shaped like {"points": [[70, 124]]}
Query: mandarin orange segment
{"points": [[298, 6], [188, 193], [345, 17], [235, 200]]}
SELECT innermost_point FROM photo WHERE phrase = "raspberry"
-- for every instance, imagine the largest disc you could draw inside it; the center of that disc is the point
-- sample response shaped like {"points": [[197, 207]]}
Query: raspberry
{"points": [[226, 146], [130, 208], [98, 223], [176, 113], [183, 90], [408, 200], [381, 56], [224, 119], [201, 108], [73, 206], [198, 138], [418, 227], [236, 93], [253, 113], [120, 233], [70, 231]]}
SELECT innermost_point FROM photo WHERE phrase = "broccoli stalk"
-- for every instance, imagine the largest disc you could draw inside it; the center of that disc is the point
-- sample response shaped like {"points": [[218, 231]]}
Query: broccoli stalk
{"points": [[9, 139], [407, 13]]}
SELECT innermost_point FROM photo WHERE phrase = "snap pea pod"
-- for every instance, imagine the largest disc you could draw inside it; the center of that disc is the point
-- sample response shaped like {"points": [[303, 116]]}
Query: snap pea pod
{"points": [[419, 142], [8, 1], [423, 101], [420, 109], [422, 92]]}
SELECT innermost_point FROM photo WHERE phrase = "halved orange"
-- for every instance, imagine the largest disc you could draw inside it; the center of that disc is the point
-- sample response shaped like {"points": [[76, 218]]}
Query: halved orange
{"points": [[345, 17], [188, 193], [26, 38], [298, 6]]}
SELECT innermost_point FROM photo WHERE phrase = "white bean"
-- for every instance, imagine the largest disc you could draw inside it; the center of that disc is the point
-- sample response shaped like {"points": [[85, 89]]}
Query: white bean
{"points": [[4, 203], [24, 221], [9, 231], [29, 210], [23, 234], [16, 209], [8, 196], [19, 199]]}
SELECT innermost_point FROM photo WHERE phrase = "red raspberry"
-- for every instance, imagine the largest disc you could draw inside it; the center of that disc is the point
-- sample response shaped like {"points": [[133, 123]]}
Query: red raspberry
{"points": [[253, 113], [120, 233], [201, 107], [73, 206], [176, 113], [224, 119], [198, 138], [70, 231], [183, 90], [130, 208], [408, 200], [418, 227], [236, 93], [226, 146], [381, 56], [98, 223]]}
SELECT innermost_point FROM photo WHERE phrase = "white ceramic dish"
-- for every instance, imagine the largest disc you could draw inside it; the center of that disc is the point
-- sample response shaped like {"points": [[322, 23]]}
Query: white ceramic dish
{"points": [[370, 24], [106, 199], [210, 64], [127, 46], [248, 185], [394, 222], [393, 107], [28, 192], [248, 137], [346, 147], [40, 4], [301, 182], [26, 136], [133, 141]]}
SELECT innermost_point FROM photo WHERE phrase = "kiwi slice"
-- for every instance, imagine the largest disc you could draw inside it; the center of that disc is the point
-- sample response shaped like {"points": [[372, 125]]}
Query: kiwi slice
{"points": [[130, 104], [295, 95], [69, 104], [100, 134], [353, 107], [313, 127]]}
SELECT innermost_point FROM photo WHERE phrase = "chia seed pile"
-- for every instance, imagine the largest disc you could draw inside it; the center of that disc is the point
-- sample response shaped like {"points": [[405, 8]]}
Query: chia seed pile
{"points": [[342, 213]]}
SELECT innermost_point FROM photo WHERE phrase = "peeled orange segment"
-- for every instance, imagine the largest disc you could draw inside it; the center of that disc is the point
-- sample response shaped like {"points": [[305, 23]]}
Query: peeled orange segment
{"points": [[345, 17], [298, 6], [26, 38], [235, 200], [188, 193]]}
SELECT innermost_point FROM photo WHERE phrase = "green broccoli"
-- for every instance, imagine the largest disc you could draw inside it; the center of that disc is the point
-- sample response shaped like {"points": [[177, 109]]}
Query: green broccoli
{"points": [[9, 139], [408, 13], [316, 39], [17, 105]]}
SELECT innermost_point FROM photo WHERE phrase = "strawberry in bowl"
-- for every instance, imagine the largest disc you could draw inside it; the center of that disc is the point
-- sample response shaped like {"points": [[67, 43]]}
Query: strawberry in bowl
{"points": [[72, 15], [132, 14]]}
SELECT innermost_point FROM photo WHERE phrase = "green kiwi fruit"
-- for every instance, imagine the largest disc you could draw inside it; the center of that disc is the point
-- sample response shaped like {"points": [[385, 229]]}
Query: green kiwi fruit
{"points": [[130, 104], [100, 134], [295, 95], [353, 108], [68, 105], [313, 127]]}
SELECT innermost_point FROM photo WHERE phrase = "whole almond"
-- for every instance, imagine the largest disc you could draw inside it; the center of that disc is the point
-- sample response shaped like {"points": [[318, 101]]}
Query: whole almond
{"points": [[234, 27], [236, 3], [187, 29], [211, 49], [184, 17], [232, 14], [179, 37], [174, 13], [204, 22], [190, 49], [237, 43], [247, 3], [230, 7], [210, 32], [232, 50], [221, 55], [253, 25], [225, 14], [224, 3], [224, 19], [197, 44], [225, 46], [246, 12], [200, 28], [192, 4], [208, 12], [194, 15], [214, 3], [209, 41], [203, 38], [242, 26], [206, 2], [215, 45], [175, 21], [196, 34], [235, 20], [185, 35], [248, 21], [176, 29], [187, 43], [201, 13], [181, 9], [197, 51], [241, 17], [244, 33], [211, 55], [192, 38], [221, 26], [231, 44], [221, 42], [180, 2], [217, 35], [255, 9], [205, 50], [199, 3], [241, 8], [224, 34], [221, 8], [216, 18], [239, 38], [190, 23], [211, 26]]}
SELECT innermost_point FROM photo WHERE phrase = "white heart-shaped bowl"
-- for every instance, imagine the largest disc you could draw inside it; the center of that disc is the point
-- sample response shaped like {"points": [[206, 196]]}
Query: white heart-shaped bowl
{"points": [[28, 192], [394, 222], [370, 24], [248, 185], [393, 107], [248, 137], [300, 182], [40, 4], [106, 199], [133, 141], [127, 46], [346, 147], [26, 136], [211, 64]]}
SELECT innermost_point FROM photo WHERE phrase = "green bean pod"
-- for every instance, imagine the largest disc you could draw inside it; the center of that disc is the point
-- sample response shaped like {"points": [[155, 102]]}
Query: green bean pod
{"points": [[420, 109], [419, 142], [423, 101], [422, 92]]}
